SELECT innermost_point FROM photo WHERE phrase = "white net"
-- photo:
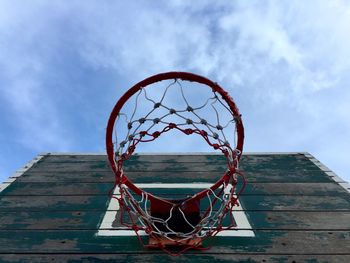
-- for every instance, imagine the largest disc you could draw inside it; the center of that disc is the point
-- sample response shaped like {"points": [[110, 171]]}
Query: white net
{"points": [[190, 108], [177, 224], [150, 117]]}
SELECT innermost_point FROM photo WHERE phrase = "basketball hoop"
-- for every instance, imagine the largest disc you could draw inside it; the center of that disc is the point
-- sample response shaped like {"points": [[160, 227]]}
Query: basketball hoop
{"points": [[181, 224]]}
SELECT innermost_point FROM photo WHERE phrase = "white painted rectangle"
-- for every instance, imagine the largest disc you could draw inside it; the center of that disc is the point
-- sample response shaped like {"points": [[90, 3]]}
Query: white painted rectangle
{"points": [[244, 228]]}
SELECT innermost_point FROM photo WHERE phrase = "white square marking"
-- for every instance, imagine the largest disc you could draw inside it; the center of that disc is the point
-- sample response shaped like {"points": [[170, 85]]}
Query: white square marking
{"points": [[244, 228]]}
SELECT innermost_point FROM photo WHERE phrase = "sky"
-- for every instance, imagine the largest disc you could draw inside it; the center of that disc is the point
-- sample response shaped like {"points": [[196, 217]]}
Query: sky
{"points": [[64, 64]]}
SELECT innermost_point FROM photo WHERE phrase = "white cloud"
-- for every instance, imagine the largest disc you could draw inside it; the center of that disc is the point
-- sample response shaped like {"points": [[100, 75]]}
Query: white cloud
{"points": [[286, 63], [24, 57]]}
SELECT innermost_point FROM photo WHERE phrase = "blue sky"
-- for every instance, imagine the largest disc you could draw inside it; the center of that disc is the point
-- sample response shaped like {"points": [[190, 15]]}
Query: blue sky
{"points": [[64, 64]]}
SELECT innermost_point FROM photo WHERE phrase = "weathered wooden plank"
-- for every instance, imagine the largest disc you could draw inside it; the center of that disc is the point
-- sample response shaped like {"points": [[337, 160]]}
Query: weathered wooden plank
{"points": [[58, 188], [52, 203], [331, 203], [76, 158], [175, 166], [72, 177], [298, 220], [69, 167], [142, 168], [288, 242], [52, 220], [62, 188], [265, 241], [272, 161], [168, 157], [249, 202], [290, 189], [164, 258], [286, 188], [260, 220], [171, 177]]}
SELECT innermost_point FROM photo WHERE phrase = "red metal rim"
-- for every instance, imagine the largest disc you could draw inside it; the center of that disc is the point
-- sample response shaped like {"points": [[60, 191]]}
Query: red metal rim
{"points": [[166, 76]]}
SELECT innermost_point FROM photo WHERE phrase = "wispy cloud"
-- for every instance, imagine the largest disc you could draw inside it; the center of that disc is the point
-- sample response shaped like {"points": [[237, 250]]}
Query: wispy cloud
{"points": [[24, 57]]}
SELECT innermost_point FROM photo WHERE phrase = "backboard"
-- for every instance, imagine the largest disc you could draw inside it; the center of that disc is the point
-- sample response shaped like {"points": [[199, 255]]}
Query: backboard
{"points": [[57, 209]]}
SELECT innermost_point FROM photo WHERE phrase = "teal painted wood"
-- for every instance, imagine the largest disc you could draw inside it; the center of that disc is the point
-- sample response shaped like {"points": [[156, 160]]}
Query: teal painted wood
{"points": [[206, 157], [90, 220], [314, 176], [215, 163], [175, 168], [55, 208], [62, 188], [163, 258], [265, 241], [251, 203]]}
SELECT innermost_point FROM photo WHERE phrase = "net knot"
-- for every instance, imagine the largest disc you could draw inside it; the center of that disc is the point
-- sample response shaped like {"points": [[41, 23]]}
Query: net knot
{"points": [[156, 120], [189, 121], [204, 133], [238, 118], [189, 108], [172, 125], [204, 122], [131, 149], [234, 202], [143, 133], [135, 228], [188, 131], [156, 134], [216, 146]]}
